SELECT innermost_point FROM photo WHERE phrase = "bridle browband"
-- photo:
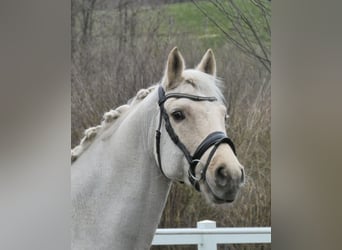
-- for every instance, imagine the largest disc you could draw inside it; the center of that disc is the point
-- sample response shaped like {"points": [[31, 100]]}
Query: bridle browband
{"points": [[213, 139]]}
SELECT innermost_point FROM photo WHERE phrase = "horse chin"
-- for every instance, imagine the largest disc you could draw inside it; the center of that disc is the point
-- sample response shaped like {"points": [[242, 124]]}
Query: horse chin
{"points": [[218, 200], [215, 198]]}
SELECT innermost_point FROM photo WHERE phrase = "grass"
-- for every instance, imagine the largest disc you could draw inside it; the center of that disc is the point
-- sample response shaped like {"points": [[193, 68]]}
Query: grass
{"points": [[185, 19], [178, 20]]}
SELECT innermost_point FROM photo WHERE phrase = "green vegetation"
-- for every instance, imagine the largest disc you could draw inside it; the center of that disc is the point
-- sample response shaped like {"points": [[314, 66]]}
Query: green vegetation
{"points": [[182, 19], [185, 19]]}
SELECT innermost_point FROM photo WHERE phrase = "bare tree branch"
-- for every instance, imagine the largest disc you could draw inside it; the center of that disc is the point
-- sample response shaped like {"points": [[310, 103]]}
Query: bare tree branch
{"points": [[247, 27], [251, 28]]}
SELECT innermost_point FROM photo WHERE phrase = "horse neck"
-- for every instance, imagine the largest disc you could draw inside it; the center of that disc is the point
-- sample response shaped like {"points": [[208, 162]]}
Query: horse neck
{"points": [[118, 192]]}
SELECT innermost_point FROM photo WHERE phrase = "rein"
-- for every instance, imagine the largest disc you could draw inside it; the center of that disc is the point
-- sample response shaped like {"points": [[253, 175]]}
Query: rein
{"points": [[214, 139]]}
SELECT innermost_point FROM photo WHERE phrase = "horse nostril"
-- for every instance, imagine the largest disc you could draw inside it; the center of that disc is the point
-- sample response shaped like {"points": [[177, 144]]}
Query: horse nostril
{"points": [[242, 176], [221, 176]]}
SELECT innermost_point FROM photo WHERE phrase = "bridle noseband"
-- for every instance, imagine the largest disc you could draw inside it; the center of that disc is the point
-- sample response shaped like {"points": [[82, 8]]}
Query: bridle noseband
{"points": [[213, 139]]}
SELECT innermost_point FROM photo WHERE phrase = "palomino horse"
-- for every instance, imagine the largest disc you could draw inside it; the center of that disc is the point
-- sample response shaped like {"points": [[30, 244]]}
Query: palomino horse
{"points": [[122, 170]]}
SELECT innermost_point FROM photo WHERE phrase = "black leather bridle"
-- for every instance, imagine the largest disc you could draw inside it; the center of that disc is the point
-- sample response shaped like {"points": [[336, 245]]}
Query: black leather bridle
{"points": [[213, 139]]}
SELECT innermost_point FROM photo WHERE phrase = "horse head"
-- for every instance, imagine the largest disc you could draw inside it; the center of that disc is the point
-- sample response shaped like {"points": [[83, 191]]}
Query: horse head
{"points": [[192, 112]]}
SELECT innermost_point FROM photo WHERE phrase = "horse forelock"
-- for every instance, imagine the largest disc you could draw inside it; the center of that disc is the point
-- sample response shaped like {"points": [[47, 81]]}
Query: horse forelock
{"points": [[207, 84], [109, 119]]}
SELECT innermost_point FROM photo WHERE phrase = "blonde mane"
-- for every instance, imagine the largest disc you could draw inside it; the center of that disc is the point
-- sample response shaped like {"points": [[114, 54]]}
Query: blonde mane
{"points": [[108, 119]]}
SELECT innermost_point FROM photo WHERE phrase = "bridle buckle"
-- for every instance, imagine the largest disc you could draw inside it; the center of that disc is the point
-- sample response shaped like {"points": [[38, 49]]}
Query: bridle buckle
{"points": [[193, 165]]}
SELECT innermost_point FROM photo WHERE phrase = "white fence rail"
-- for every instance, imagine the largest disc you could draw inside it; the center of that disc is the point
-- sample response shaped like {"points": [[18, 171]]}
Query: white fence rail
{"points": [[206, 236]]}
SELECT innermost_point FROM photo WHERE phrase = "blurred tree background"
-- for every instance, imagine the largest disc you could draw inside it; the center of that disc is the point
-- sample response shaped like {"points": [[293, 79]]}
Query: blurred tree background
{"points": [[121, 46]]}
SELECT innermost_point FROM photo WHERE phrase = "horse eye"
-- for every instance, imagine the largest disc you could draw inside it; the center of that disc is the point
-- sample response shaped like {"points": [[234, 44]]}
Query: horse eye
{"points": [[178, 115]]}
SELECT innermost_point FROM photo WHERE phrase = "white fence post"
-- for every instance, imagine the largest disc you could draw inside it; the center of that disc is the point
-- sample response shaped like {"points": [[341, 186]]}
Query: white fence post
{"points": [[207, 242]]}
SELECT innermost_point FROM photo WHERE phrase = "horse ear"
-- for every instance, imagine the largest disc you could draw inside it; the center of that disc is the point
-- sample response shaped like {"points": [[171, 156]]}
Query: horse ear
{"points": [[208, 63], [174, 69]]}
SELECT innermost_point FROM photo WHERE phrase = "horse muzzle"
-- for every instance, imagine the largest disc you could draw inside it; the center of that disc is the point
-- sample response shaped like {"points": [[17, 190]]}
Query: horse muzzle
{"points": [[223, 182]]}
